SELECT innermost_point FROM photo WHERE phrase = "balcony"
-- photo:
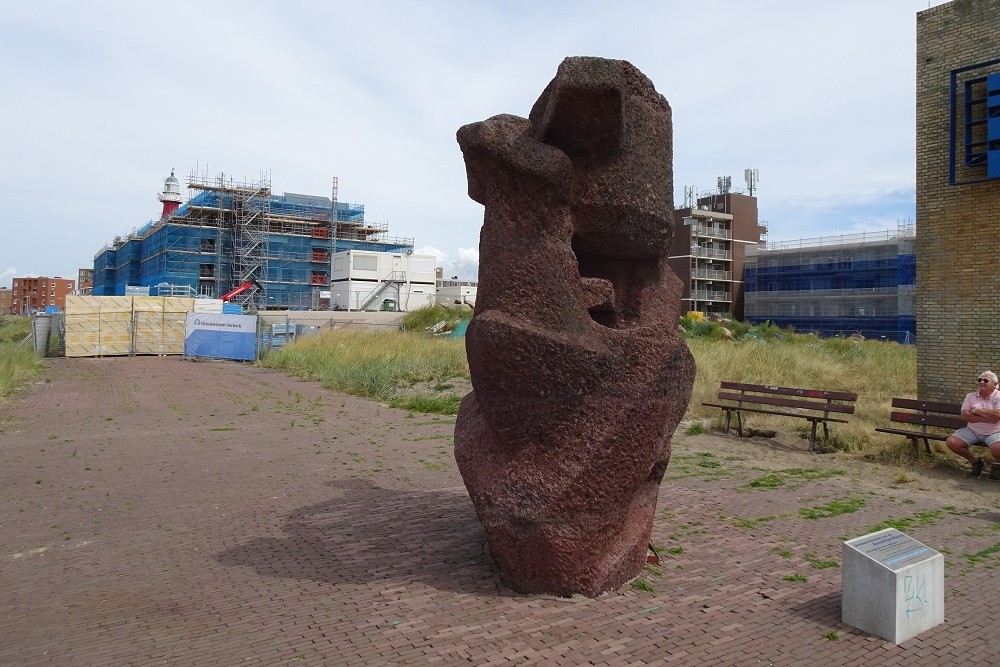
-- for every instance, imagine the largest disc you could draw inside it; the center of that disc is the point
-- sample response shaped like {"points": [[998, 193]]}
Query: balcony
{"points": [[710, 295], [712, 275], [711, 232], [711, 253]]}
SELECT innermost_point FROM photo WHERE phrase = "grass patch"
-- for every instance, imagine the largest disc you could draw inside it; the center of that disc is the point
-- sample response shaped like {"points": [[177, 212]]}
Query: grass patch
{"points": [[820, 564], [927, 518], [695, 429], [17, 366], [876, 370], [982, 555], [380, 365], [811, 474], [796, 476], [801, 578], [769, 481], [833, 508], [440, 405], [426, 318], [752, 523], [641, 584]]}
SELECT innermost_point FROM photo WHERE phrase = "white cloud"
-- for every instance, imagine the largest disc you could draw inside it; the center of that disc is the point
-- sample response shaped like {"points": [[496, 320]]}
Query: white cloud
{"points": [[7, 276], [101, 105], [465, 266]]}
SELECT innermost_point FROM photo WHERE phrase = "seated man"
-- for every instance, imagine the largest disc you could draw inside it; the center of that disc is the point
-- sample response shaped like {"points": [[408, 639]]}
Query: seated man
{"points": [[981, 411]]}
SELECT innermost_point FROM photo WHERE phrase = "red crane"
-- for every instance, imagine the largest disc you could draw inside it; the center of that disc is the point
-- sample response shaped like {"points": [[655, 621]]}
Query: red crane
{"points": [[240, 289]]}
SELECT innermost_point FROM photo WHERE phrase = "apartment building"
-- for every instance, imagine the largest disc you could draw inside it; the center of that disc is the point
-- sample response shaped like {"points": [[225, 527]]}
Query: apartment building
{"points": [[29, 295]]}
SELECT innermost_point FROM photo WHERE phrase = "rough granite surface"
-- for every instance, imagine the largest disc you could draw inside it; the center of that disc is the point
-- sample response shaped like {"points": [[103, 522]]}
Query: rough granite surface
{"points": [[579, 376]]}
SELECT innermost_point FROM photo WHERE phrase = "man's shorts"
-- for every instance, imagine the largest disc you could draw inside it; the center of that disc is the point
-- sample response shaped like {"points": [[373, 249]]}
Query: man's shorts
{"points": [[970, 437]]}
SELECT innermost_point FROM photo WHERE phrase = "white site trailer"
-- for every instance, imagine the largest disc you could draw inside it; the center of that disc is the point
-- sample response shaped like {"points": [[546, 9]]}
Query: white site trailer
{"points": [[452, 292], [371, 280]]}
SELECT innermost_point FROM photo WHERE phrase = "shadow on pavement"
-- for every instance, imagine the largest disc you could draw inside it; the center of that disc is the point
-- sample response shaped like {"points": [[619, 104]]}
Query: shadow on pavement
{"points": [[369, 534]]}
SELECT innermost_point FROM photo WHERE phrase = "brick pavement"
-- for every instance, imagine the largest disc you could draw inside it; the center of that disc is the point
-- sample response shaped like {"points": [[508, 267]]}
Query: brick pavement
{"points": [[157, 511]]}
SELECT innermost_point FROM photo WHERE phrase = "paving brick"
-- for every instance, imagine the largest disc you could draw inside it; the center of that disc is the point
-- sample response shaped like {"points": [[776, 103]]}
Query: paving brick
{"points": [[202, 531]]}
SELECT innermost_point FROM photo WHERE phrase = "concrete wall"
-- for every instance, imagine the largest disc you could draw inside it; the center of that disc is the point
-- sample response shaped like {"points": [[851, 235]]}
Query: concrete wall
{"points": [[958, 225]]}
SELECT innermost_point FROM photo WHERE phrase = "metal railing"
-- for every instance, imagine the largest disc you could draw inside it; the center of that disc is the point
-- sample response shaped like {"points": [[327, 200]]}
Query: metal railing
{"points": [[712, 275], [394, 278], [708, 295], [710, 252], [711, 232]]}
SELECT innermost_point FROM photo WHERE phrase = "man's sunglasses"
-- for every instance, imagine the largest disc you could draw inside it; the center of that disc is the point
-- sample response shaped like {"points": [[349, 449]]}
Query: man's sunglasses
{"points": [[982, 379]]}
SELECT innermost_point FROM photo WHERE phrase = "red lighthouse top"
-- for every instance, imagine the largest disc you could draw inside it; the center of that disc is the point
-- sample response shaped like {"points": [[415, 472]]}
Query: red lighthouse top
{"points": [[171, 195]]}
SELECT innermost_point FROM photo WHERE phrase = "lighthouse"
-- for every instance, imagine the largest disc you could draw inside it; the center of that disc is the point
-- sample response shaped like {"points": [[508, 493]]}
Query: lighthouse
{"points": [[171, 195]]}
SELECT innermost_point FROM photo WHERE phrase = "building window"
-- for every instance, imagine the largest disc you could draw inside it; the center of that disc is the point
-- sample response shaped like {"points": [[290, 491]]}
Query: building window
{"points": [[974, 153]]}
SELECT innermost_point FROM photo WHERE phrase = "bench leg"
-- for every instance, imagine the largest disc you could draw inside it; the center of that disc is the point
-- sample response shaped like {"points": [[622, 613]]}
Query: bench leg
{"points": [[927, 446], [916, 446], [726, 427], [812, 437], [739, 423]]}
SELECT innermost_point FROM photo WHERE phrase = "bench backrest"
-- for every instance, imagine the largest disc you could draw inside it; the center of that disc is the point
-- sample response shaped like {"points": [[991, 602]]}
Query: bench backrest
{"points": [[807, 399], [928, 413]]}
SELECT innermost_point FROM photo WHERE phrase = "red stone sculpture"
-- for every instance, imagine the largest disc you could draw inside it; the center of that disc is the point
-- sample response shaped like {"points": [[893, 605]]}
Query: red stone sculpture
{"points": [[579, 376]]}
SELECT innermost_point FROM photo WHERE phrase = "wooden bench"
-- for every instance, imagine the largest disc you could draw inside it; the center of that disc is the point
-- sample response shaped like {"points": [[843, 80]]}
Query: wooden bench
{"points": [[923, 416], [813, 405]]}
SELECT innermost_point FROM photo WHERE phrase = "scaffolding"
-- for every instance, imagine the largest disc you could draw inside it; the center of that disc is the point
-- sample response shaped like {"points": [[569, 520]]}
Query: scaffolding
{"points": [[840, 285], [230, 232]]}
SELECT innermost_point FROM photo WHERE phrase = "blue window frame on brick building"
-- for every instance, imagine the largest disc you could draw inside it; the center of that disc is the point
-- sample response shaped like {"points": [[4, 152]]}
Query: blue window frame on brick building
{"points": [[993, 125], [975, 123]]}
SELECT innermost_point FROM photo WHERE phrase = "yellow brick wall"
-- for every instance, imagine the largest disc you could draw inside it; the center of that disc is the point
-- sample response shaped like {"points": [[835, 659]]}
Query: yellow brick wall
{"points": [[958, 226]]}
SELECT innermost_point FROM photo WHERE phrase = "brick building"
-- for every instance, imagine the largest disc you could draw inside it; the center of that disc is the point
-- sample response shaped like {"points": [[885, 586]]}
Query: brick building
{"points": [[958, 195], [6, 296], [708, 250], [33, 294], [85, 281]]}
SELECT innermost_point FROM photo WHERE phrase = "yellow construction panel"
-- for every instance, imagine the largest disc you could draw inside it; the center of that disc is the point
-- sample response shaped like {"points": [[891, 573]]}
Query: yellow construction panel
{"points": [[82, 339], [115, 330], [173, 337], [81, 305], [147, 304], [148, 331], [208, 306], [175, 310], [178, 304], [123, 325], [85, 322], [115, 304]]}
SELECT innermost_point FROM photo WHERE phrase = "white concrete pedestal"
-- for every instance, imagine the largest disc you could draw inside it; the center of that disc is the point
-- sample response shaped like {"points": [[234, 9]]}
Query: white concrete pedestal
{"points": [[893, 586]]}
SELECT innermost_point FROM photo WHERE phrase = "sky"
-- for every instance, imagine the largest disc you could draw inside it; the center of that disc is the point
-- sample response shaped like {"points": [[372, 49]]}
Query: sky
{"points": [[102, 99]]}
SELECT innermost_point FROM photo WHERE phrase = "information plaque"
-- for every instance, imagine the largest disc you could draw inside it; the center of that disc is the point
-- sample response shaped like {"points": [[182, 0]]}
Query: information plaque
{"points": [[893, 586]]}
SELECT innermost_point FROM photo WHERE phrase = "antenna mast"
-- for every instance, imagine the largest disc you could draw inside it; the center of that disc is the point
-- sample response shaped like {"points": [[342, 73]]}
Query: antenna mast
{"points": [[752, 178]]}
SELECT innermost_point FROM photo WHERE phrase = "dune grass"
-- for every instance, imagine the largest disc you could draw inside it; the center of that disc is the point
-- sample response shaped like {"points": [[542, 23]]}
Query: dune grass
{"points": [[876, 371], [423, 319], [381, 365], [20, 365], [411, 370]]}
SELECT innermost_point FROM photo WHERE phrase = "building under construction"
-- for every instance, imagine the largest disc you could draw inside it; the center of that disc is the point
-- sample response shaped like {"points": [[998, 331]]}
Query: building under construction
{"points": [[839, 285], [230, 234]]}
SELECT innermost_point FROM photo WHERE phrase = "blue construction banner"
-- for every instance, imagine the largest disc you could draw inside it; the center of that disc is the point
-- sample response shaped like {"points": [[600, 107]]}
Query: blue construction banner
{"points": [[221, 336]]}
